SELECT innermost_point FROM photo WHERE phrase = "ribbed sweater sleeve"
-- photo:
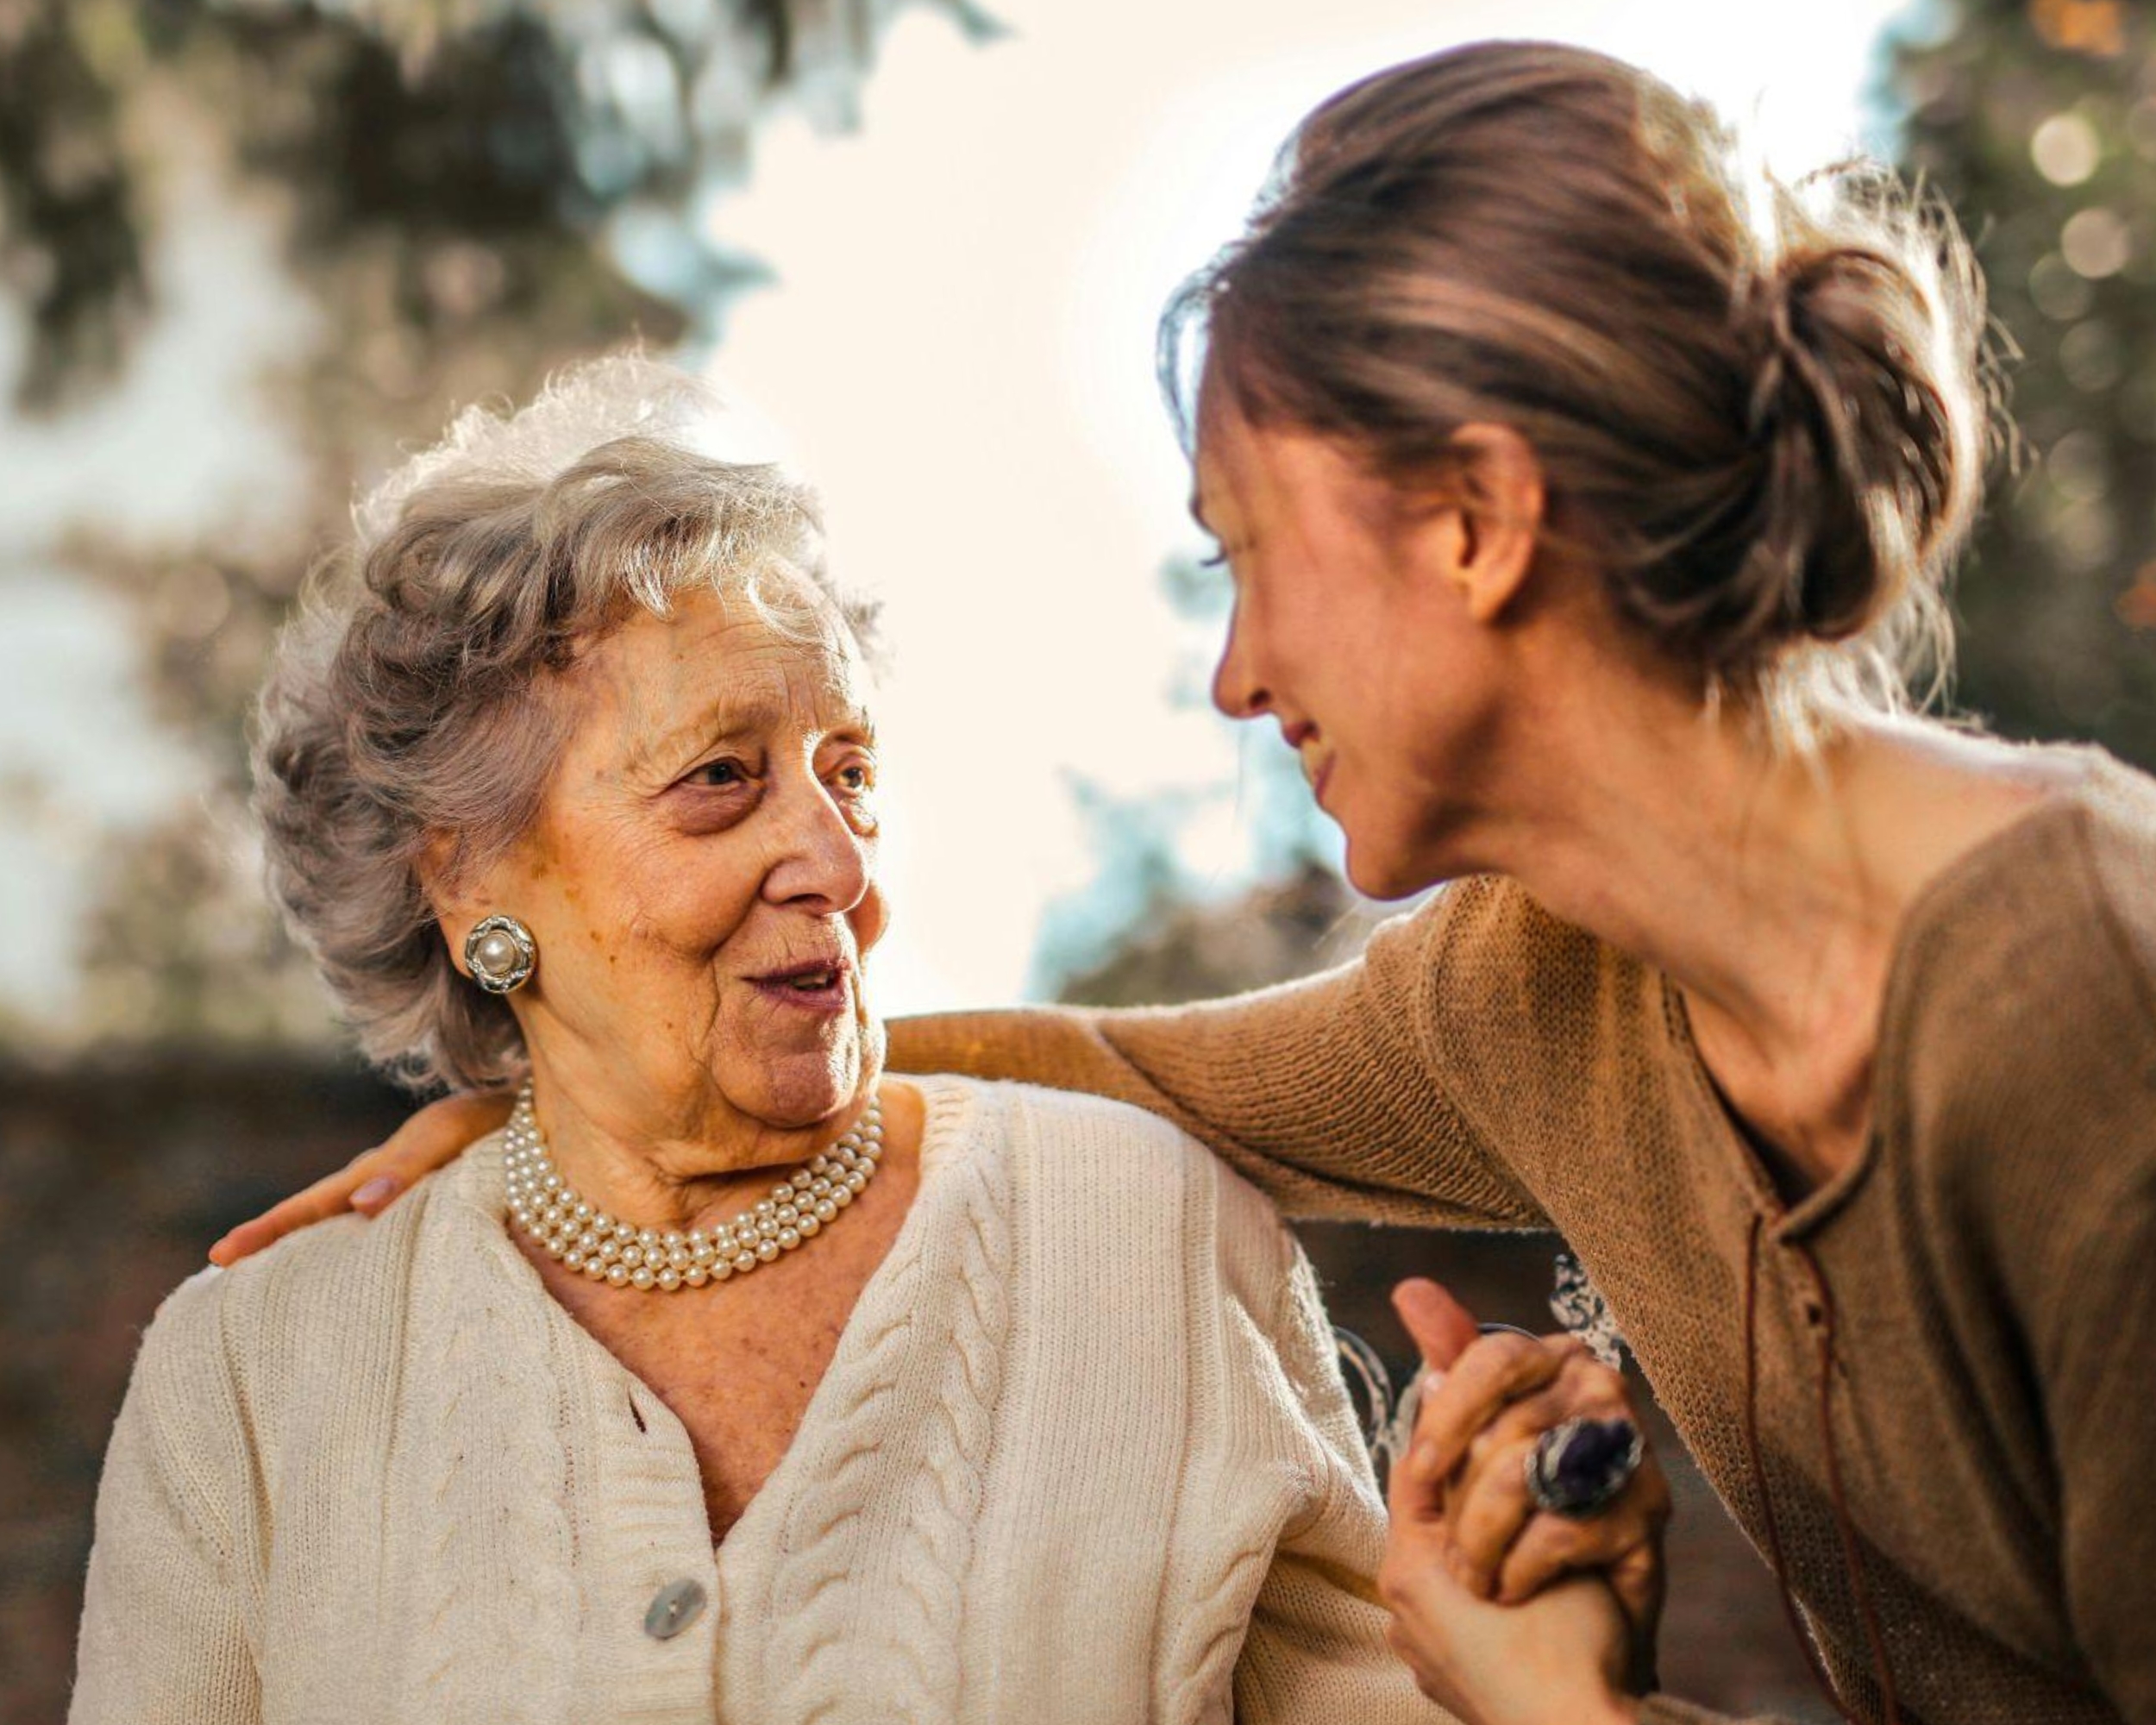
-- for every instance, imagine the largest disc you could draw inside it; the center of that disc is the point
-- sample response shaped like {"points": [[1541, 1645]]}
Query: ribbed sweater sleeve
{"points": [[1320, 1093], [1316, 1645], [164, 1636]]}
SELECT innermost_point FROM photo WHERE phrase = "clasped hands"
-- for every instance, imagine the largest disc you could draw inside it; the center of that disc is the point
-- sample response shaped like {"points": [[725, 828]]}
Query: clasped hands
{"points": [[1507, 1613]]}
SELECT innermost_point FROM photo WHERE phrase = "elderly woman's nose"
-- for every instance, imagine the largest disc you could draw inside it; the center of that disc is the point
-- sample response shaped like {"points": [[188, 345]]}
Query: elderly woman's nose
{"points": [[819, 856]]}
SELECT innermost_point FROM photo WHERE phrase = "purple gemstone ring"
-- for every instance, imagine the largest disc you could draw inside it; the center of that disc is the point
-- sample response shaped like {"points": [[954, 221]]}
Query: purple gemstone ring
{"points": [[1577, 1468]]}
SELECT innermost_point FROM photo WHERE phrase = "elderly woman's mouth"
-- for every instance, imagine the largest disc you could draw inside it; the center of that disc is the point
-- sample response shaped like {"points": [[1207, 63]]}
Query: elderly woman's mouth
{"points": [[814, 988]]}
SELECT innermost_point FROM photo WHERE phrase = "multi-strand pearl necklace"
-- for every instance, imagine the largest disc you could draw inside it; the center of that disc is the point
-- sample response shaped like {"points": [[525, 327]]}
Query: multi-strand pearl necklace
{"points": [[567, 1225]]}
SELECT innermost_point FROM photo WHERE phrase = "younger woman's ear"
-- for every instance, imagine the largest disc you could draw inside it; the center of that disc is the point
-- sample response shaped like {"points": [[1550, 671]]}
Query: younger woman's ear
{"points": [[1496, 518]]}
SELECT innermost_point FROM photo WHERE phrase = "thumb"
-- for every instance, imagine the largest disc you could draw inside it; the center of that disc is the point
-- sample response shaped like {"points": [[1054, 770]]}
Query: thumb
{"points": [[1439, 1325]]}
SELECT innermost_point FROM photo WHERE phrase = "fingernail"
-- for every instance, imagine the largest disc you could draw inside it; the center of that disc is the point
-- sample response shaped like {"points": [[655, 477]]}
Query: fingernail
{"points": [[376, 1192], [216, 1250]]}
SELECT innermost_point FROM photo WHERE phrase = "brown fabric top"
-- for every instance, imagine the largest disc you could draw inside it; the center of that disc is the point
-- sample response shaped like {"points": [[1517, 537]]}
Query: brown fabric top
{"points": [[1987, 1287]]}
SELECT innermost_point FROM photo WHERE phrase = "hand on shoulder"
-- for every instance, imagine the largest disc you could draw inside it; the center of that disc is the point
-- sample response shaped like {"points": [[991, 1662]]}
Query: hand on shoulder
{"points": [[437, 1135]]}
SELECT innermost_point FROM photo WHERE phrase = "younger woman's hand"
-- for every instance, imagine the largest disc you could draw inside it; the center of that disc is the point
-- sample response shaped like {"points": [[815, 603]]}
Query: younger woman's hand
{"points": [[438, 1134], [1559, 1659], [1485, 1402]]}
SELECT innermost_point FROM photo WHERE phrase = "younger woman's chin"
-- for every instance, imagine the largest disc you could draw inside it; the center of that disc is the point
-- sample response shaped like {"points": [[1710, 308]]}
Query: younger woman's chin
{"points": [[1385, 878], [1398, 857]]}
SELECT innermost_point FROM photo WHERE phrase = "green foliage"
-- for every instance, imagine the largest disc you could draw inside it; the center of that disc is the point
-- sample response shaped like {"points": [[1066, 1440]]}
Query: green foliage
{"points": [[468, 192], [2036, 120], [1185, 949], [533, 129], [69, 245]]}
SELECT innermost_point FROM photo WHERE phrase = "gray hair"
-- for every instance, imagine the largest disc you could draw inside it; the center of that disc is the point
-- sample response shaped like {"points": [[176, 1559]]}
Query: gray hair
{"points": [[409, 700]]}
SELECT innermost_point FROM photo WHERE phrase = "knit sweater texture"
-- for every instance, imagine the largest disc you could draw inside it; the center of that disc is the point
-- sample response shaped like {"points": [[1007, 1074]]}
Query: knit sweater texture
{"points": [[1083, 1454], [1956, 1336]]}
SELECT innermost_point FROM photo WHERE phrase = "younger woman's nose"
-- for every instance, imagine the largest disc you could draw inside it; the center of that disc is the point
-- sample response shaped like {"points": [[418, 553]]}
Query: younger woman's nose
{"points": [[1236, 691]]}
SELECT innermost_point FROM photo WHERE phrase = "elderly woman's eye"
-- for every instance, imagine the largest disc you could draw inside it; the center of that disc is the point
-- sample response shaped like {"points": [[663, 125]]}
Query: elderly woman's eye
{"points": [[722, 775]]}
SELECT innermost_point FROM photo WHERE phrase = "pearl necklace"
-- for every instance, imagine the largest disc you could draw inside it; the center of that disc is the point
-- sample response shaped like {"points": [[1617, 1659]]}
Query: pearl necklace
{"points": [[584, 1238]]}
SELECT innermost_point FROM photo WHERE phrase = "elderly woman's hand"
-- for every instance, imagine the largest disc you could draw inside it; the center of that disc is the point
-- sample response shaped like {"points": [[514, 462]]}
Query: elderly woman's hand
{"points": [[438, 1134], [1488, 1400]]}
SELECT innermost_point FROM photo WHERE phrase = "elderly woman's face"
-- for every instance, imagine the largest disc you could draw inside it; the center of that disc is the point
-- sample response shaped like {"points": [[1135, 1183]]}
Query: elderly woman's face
{"points": [[701, 879]]}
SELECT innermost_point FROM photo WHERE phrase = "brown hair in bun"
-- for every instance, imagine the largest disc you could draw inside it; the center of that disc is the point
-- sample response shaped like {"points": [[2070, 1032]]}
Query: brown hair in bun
{"points": [[1762, 416]]}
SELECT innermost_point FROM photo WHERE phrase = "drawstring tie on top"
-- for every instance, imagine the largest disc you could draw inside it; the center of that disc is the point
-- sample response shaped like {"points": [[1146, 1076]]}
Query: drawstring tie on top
{"points": [[1845, 1525]]}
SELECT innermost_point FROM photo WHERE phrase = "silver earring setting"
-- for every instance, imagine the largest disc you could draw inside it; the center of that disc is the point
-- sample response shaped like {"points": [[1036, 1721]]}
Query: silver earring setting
{"points": [[500, 954]]}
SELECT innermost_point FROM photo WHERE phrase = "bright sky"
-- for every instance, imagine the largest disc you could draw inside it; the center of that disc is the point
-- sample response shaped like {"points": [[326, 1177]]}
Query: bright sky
{"points": [[959, 344], [962, 341]]}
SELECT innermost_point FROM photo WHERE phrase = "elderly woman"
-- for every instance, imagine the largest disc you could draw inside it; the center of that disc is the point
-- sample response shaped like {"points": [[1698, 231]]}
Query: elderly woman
{"points": [[1576, 514], [732, 1379]]}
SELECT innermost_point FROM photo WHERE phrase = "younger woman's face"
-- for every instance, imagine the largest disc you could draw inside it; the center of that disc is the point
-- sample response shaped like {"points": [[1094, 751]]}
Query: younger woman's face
{"points": [[1348, 632]]}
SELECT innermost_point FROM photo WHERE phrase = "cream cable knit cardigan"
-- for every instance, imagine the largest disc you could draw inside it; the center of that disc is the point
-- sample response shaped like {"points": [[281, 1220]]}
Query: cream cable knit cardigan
{"points": [[1083, 1454]]}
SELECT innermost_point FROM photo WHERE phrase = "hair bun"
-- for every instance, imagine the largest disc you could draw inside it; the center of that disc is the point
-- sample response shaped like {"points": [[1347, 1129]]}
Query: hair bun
{"points": [[1868, 453], [1760, 444]]}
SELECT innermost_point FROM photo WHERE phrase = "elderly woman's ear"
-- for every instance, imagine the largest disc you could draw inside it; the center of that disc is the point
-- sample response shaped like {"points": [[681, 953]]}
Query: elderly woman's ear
{"points": [[500, 954], [490, 946], [433, 1138], [446, 887]]}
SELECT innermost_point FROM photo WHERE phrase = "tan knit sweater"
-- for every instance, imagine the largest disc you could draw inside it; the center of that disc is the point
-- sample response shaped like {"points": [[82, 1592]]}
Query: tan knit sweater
{"points": [[1083, 1454], [1974, 1303]]}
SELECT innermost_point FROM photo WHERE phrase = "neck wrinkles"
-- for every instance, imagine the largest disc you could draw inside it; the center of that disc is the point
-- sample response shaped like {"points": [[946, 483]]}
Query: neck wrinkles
{"points": [[680, 1181]]}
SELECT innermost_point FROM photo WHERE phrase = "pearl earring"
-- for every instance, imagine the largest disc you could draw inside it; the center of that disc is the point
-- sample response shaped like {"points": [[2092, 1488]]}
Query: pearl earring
{"points": [[501, 954]]}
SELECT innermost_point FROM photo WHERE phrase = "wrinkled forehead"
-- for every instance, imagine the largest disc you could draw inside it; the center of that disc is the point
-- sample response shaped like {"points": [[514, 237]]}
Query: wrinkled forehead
{"points": [[720, 662]]}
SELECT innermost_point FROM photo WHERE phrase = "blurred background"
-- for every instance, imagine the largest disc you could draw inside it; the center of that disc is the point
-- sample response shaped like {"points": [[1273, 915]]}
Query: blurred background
{"points": [[250, 249]]}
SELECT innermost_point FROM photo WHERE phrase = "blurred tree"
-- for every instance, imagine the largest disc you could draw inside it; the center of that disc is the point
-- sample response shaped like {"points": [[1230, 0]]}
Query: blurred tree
{"points": [[469, 193], [1184, 948], [1143, 930], [2036, 120]]}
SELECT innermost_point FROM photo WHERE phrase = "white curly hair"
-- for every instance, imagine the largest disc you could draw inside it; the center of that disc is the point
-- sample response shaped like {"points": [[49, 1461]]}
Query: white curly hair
{"points": [[410, 699]]}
